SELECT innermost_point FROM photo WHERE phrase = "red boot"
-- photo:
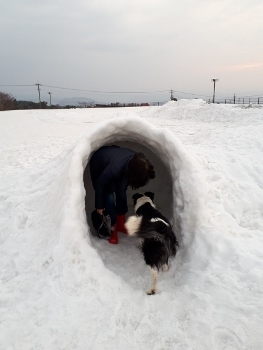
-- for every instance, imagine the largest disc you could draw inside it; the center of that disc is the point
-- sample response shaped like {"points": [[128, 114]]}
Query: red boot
{"points": [[114, 235], [120, 224]]}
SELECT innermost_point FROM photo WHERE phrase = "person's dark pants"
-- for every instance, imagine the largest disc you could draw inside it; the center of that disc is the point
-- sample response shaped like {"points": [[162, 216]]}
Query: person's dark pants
{"points": [[115, 205], [110, 208]]}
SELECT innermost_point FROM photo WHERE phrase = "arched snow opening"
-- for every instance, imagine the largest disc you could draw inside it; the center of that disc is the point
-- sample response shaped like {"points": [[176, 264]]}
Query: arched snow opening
{"points": [[161, 185], [175, 171]]}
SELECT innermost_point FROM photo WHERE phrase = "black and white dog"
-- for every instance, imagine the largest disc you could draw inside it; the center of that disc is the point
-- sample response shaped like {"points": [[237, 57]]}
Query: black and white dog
{"points": [[159, 242]]}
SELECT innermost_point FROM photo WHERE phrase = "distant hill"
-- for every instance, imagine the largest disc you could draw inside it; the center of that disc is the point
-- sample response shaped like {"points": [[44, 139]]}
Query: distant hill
{"points": [[76, 101]]}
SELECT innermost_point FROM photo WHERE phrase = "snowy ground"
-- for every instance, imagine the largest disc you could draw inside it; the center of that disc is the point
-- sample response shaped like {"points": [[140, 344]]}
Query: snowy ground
{"points": [[62, 288]]}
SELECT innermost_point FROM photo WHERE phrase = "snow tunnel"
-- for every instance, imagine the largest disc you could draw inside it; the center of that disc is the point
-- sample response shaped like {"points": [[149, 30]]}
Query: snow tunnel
{"points": [[163, 150]]}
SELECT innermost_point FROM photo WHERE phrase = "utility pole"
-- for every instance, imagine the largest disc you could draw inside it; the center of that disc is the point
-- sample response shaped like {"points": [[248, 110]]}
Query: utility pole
{"points": [[214, 80], [50, 98], [172, 96], [39, 94]]}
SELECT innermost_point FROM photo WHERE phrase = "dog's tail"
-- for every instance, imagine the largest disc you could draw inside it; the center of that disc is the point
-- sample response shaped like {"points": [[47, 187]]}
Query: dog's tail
{"points": [[133, 224]]}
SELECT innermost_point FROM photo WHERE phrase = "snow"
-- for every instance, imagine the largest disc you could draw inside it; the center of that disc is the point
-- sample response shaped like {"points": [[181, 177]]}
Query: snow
{"points": [[63, 288]]}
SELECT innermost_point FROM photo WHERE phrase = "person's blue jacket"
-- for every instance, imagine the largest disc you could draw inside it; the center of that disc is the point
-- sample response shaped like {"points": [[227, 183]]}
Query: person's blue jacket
{"points": [[109, 173]]}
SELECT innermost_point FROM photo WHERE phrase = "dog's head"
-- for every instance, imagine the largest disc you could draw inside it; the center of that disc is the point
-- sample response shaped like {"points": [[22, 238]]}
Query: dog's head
{"points": [[141, 198]]}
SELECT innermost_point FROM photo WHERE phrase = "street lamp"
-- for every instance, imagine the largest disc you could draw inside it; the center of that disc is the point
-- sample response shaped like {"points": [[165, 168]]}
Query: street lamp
{"points": [[214, 80], [50, 98]]}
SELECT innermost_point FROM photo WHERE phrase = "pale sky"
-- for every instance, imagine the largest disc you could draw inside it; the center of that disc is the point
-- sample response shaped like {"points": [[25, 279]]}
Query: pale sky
{"points": [[131, 46]]}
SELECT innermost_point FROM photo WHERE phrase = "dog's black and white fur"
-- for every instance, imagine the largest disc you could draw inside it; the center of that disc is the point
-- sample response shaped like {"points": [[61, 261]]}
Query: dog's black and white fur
{"points": [[159, 242]]}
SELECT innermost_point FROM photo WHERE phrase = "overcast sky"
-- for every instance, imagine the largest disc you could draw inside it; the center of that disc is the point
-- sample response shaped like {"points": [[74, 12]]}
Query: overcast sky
{"points": [[131, 46]]}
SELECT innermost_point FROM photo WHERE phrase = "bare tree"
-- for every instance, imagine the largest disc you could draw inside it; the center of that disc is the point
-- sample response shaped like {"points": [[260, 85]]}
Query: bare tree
{"points": [[7, 102], [85, 104]]}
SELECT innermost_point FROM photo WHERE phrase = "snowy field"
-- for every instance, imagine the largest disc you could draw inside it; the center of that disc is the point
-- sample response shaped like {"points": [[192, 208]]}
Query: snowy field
{"points": [[62, 288]]}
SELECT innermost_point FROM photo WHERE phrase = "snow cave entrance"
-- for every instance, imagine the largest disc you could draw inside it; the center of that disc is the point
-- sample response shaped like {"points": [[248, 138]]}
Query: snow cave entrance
{"points": [[162, 185]]}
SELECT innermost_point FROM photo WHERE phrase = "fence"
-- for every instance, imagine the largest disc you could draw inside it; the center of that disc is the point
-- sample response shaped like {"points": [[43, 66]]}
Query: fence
{"points": [[239, 100]]}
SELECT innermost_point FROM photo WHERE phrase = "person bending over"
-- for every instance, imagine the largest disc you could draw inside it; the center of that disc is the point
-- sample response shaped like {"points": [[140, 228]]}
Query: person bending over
{"points": [[112, 170]]}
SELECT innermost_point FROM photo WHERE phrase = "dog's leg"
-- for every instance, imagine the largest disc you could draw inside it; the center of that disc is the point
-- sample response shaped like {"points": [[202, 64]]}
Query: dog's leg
{"points": [[165, 267], [154, 280]]}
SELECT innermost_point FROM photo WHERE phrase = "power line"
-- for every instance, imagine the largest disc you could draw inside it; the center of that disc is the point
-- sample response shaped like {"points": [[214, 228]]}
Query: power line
{"points": [[189, 93], [259, 95], [105, 92], [114, 92], [127, 92], [19, 85]]}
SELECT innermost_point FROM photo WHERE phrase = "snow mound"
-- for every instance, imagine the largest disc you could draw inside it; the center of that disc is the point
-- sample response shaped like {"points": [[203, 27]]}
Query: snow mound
{"points": [[187, 185], [62, 288]]}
